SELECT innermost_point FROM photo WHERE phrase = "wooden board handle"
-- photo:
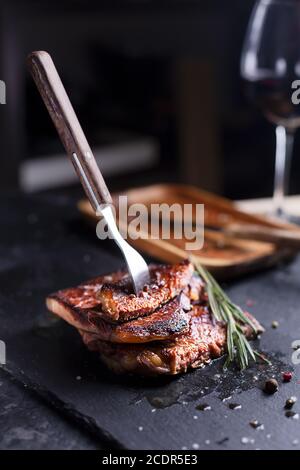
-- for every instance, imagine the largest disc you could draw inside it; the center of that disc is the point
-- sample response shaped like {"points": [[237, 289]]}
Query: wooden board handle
{"points": [[71, 134]]}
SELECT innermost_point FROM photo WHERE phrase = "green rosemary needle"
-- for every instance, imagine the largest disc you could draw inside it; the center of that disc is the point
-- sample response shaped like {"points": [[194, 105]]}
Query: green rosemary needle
{"points": [[238, 347]]}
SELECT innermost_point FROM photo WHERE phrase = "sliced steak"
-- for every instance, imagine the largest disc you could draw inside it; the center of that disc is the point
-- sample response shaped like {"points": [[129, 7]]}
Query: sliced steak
{"points": [[173, 319], [204, 341], [167, 322], [120, 304]]}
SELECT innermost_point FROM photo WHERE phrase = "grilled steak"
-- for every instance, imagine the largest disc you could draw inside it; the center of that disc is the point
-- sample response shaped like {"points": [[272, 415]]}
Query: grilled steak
{"points": [[166, 330], [168, 321], [120, 304], [204, 341]]}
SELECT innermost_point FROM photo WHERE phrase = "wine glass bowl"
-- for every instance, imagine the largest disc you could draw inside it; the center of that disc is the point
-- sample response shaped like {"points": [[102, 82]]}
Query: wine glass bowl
{"points": [[270, 66]]}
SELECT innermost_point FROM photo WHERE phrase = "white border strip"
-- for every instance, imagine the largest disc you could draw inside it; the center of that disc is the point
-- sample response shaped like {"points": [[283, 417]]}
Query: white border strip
{"points": [[265, 205], [56, 170]]}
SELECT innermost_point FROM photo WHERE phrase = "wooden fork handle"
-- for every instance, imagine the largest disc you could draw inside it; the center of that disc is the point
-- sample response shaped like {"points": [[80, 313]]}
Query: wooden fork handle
{"points": [[71, 134]]}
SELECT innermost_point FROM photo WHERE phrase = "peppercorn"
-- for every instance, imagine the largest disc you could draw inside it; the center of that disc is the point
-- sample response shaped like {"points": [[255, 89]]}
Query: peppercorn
{"points": [[287, 376], [256, 424], [290, 402], [271, 386]]}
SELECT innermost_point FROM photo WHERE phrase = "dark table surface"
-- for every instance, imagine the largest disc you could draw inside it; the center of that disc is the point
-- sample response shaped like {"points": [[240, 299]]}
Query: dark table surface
{"points": [[55, 394]]}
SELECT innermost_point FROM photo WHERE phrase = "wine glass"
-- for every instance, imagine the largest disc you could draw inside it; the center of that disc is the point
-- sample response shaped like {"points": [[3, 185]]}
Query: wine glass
{"points": [[270, 66]]}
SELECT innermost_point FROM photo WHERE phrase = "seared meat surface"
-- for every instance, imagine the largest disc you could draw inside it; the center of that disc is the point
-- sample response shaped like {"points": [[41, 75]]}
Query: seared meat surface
{"points": [[166, 322], [204, 341], [120, 304], [168, 329]]}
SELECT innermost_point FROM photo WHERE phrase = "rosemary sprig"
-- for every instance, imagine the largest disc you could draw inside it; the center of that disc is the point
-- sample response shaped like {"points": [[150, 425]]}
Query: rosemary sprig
{"points": [[224, 310]]}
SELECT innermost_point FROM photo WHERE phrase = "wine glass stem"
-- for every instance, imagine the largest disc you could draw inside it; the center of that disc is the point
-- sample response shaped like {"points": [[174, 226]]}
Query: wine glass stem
{"points": [[284, 150]]}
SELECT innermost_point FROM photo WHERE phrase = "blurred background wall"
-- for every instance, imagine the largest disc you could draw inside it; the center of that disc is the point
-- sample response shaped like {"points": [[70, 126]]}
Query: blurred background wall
{"points": [[156, 87]]}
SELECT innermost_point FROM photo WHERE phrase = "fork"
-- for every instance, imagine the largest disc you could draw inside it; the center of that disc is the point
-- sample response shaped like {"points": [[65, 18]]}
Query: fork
{"points": [[72, 136]]}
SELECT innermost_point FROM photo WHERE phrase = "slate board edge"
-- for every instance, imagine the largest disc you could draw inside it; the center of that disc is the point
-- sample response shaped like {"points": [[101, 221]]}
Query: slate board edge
{"points": [[66, 409]]}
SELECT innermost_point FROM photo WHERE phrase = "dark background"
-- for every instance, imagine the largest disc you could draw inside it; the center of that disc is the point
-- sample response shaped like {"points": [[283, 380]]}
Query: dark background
{"points": [[157, 89]]}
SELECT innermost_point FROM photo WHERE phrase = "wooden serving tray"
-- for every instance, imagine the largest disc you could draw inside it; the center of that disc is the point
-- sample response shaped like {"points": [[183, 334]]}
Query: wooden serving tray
{"points": [[224, 256]]}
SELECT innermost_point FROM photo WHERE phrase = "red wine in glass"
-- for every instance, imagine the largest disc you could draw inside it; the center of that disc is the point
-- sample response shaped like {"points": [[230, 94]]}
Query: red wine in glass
{"points": [[274, 97], [270, 64]]}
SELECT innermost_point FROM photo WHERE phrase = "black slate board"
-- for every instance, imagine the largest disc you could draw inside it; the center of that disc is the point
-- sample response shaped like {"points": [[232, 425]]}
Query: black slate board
{"points": [[45, 247], [27, 422]]}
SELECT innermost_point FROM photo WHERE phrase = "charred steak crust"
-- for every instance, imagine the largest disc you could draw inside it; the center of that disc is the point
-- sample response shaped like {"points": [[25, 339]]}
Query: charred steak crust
{"points": [[167, 322], [80, 307], [174, 319], [119, 304], [204, 341]]}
